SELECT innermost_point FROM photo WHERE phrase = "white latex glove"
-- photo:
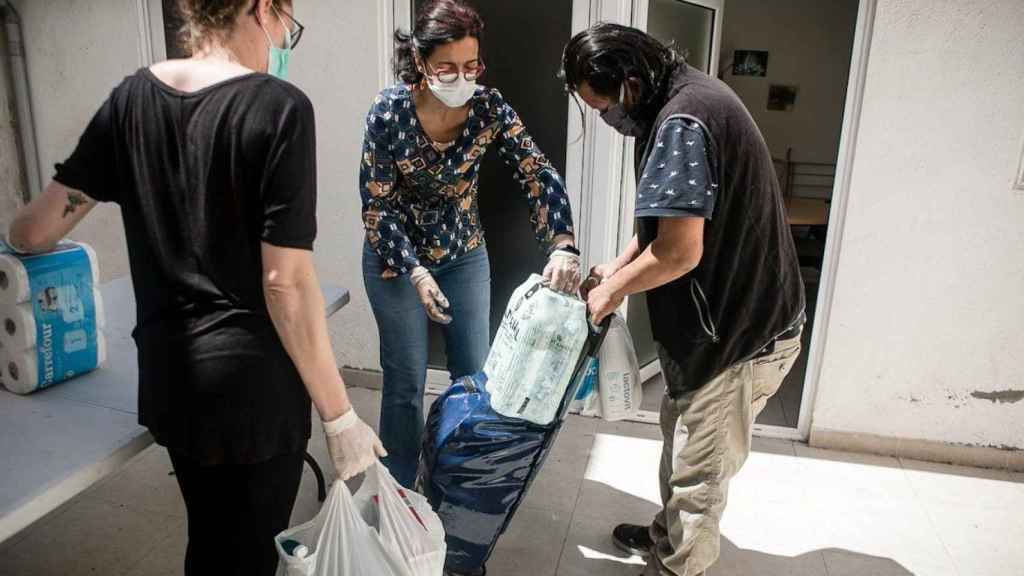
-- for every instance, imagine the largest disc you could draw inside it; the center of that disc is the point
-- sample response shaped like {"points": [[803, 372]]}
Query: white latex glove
{"points": [[563, 271], [434, 301], [352, 444]]}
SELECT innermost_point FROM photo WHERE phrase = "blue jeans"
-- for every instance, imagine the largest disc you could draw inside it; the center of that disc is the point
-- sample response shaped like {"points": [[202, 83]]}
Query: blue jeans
{"points": [[402, 324]]}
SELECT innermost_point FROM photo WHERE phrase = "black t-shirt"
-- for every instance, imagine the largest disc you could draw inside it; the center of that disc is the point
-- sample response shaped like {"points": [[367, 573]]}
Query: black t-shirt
{"points": [[202, 179]]}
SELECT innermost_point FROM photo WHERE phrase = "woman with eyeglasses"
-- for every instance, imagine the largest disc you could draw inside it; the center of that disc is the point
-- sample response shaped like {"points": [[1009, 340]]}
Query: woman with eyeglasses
{"points": [[425, 257], [212, 161]]}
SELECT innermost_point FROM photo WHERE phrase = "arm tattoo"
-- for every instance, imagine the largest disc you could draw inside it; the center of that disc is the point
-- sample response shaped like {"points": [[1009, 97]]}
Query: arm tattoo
{"points": [[75, 200]]}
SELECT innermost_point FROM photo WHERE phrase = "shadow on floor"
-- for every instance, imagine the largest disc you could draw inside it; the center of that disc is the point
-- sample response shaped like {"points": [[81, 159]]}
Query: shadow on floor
{"points": [[736, 561], [786, 545], [836, 561]]}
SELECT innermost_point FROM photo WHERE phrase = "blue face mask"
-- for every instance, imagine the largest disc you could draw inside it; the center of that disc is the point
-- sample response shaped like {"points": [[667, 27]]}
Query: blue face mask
{"points": [[277, 58]]}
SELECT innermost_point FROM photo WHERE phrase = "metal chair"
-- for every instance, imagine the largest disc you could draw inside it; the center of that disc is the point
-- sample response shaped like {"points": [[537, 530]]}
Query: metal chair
{"points": [[321, 484]]}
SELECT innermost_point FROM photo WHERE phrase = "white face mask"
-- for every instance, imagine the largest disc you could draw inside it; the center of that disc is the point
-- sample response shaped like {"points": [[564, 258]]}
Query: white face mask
{"points": [[454, 95]]}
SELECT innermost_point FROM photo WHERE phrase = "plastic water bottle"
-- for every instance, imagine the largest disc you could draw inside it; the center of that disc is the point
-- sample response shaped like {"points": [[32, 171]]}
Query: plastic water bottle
{"points": [[293, 548]]}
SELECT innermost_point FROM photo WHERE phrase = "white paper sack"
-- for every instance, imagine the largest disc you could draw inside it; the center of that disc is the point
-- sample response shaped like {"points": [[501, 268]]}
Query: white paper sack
{"points": [[535, 351], [618, 381], [21, 369]]}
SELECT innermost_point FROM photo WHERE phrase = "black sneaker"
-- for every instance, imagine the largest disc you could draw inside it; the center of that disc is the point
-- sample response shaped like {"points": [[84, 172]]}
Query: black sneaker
{"points": [[633, 539]]}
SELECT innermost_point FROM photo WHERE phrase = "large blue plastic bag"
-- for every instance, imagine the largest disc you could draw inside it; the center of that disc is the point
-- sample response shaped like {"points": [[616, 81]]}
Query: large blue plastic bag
{"points": [[476, 468], [378, 532], [535, 352]]}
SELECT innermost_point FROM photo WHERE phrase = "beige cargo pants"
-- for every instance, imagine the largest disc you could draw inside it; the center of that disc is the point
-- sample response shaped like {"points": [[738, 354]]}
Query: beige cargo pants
{"points": [[707, 439]]}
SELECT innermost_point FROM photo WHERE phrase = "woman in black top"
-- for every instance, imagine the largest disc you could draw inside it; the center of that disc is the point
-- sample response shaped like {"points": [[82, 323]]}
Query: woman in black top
{"points": [[213, 164]]}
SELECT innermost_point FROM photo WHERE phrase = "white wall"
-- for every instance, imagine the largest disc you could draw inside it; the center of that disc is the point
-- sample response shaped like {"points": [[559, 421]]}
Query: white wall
{"points": [[928, 306], [78, 51], [337, 66], [809, 44], [10, 164]]}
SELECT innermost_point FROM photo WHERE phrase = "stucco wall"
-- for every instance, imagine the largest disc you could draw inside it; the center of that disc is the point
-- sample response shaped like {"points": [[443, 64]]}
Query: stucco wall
{"points": [[10, 167], [925, 338], [76, 53]]}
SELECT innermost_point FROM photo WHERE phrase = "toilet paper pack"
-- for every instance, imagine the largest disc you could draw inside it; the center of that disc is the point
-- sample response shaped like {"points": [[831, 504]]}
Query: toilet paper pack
{"points": [[14, 276], [18, 322], [3, 367], [21, 370], [54, 334]]}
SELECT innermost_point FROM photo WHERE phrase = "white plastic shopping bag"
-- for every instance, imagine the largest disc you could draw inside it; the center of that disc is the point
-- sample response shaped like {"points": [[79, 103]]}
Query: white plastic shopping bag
{"points": [[612, 389], [404, 520], [383, 530], [535, 352]]}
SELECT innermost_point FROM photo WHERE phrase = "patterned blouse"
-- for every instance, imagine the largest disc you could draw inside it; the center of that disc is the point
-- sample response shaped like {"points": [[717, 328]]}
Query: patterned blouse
{"points": [[420, 203]]}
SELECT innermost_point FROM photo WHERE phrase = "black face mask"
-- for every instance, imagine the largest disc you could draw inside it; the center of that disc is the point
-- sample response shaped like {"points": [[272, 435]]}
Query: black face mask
{"points": [[620, 120]]}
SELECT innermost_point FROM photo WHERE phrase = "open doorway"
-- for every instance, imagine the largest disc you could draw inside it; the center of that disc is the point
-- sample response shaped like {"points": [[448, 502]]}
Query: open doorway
{"points": [[528, 81], [789, 61]]}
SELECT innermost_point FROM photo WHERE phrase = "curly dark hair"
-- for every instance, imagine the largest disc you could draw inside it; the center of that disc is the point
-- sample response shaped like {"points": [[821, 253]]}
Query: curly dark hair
{"points": [[439, 22], [204, 19]]}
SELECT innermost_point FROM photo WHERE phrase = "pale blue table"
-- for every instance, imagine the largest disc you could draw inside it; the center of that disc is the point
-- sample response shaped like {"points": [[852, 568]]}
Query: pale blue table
{"points": [[60, 441]]}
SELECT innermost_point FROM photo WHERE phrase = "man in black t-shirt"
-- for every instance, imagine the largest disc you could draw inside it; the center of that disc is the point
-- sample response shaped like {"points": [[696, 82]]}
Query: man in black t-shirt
{"points": [[714, 255]]}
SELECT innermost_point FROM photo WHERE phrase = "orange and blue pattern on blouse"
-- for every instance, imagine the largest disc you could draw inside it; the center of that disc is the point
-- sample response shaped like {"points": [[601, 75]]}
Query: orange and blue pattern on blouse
{"points": [[420, 203]]}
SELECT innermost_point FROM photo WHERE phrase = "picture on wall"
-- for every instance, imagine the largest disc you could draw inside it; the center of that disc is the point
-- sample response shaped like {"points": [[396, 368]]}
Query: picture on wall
{"points": [[781, 97], [750, 63]]}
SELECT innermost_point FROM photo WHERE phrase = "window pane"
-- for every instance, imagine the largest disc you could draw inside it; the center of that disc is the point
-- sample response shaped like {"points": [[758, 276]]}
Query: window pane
{"points": [[687, 25], [172, 28]]}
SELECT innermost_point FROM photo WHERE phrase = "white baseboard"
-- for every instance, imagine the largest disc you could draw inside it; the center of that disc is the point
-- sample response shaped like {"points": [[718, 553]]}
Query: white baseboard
{"points": [[914, 449]]}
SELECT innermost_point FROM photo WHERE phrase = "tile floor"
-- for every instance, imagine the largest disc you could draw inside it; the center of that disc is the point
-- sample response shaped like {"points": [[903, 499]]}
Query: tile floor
{"points": [[793, 511]]}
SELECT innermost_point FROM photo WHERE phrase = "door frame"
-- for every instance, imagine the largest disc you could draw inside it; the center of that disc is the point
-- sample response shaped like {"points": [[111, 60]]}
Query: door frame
{"points": [[638, 18], [598, 163], [580, 136], [856, 82], [848, 140], [152, 39]]}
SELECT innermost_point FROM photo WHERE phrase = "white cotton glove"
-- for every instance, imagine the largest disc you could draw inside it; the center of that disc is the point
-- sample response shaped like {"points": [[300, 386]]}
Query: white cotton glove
{"points": [[563, 271], [433, 300], [352, 444]]}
